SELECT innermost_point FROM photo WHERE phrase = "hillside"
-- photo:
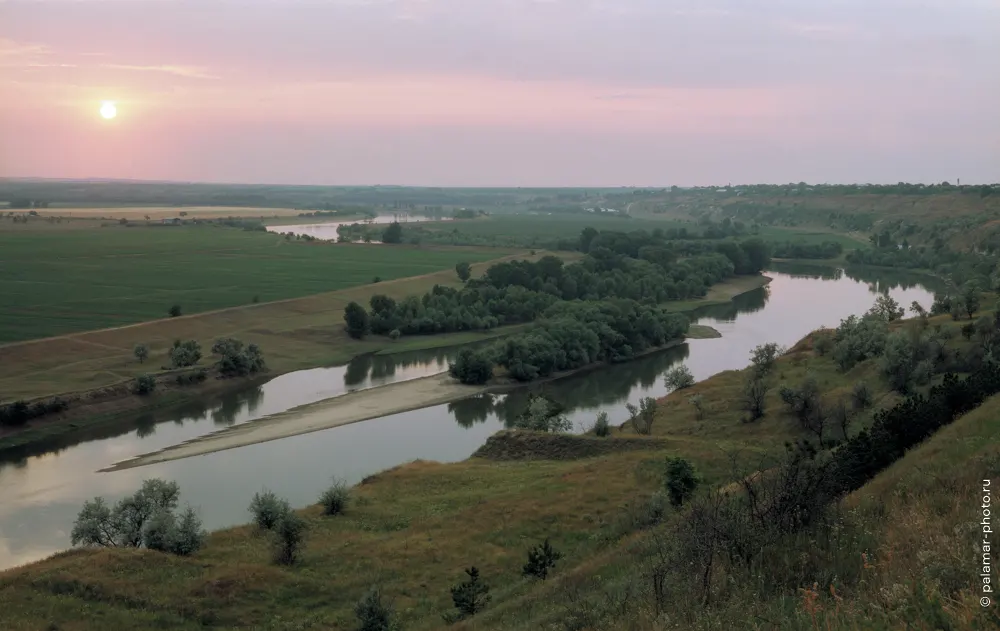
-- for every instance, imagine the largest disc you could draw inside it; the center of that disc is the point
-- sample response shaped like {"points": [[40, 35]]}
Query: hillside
{"points": [[413, 529]]}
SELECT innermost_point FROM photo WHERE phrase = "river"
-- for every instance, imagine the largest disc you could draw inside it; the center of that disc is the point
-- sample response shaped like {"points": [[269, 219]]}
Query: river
{"points": [[328, 230], [41, 492]]}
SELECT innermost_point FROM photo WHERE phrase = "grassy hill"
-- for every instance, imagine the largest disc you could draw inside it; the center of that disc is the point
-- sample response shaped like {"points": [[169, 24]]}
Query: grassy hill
{"points": [[899, 553]]}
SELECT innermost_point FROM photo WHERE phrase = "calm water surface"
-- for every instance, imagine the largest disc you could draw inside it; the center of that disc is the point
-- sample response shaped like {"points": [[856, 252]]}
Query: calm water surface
{"points": [[41, 493], [328, 230]]}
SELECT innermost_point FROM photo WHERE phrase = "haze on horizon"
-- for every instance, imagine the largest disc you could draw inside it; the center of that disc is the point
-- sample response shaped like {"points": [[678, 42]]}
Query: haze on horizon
{"points": [[502, 92]]}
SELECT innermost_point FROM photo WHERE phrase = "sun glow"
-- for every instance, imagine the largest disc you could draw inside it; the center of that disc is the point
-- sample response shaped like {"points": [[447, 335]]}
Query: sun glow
{"points": [[108, 110]]}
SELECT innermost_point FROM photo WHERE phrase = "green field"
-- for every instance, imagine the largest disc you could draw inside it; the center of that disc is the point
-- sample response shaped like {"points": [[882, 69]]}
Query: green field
{"points": [[774, 233], [63, 281]]}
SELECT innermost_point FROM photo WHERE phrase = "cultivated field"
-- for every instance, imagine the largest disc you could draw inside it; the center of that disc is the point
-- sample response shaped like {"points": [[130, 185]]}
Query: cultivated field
{"points": [[138, 213], [63, 281]]}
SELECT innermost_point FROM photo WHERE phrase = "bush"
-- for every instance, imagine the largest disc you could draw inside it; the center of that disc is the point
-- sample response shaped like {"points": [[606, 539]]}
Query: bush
{"points": [[144, 519], [470, 596], [357, 321], [464, 271], [763, 358], [174, 311], [472, 367], [394, 334], [289, 534], [823, 344], [861, 396], [542, 415], [681, 481], [237, 360], [679, 378], [19, 412], [373, 615], [541, 559], [754, 398], [602, 427], [698, 402], [144, 384], [642, 417], [197, 376], [184, 354], [335, 499], [268, 509]]}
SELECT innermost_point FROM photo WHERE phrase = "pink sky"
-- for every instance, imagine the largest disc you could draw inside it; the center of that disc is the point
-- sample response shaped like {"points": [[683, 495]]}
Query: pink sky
{"points": [[502, 92]]}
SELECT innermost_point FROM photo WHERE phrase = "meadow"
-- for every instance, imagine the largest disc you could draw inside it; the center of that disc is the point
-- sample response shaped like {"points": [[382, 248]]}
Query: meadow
{"points": [[63, 281], [412, 529]]}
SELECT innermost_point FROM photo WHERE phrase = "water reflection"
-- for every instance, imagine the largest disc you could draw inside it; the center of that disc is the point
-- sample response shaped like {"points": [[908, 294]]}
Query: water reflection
{"points": [[41, 489]]}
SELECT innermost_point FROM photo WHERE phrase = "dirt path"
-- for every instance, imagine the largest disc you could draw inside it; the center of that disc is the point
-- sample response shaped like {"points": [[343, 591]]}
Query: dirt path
{"points": [[343, 410]]}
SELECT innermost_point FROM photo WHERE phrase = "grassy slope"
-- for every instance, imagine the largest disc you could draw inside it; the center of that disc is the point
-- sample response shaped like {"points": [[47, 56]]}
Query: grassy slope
{"points": [[412, 529], [114, 276]]}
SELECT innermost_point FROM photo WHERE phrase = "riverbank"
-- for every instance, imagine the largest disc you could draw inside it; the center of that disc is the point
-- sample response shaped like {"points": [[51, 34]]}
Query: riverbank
{"points": [[295, 334], [355, 407]]}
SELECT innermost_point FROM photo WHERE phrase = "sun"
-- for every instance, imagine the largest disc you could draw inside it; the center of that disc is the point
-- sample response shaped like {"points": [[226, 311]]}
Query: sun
{"points": [[108, 110]]}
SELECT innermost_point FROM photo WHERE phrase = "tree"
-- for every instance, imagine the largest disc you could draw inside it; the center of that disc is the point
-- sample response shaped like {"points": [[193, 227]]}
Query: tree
{"points": [[184, 354], [681, 481], [141, 352], [143, 519], [236, 360], [542, 415], [268, 509], [288, 536], [886, 309], [335, 499], [541, 559], [679, 378], [470, 596], [464, 271], [393, 234], [174, 311], [642, 417], [754, 395], [763, 357], [472, 367], [144, 384], [373, 614], [918, 309], [602, 427], [357, 320], [970, 299]]}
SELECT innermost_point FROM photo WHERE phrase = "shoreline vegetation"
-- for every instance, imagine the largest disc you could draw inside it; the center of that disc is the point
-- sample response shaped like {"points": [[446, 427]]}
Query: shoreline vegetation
{"points": [[358, 406], [118, 403]]}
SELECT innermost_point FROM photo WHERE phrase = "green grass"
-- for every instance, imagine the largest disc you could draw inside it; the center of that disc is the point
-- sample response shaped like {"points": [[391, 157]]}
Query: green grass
{"points": [[63, 281], [773, 233]]}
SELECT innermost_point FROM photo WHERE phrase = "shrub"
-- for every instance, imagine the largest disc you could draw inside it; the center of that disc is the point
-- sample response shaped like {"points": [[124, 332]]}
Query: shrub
{"points": [[144, 384], [289, 534], [197, 376], [373, 615], [642, 417], [335, 499], [763, 357], [268, 509], [679, 378], [698, 402], [143, 519], [861, 396], [470, 596], [184, 354], [464, 271], [174, 311], [357, 321], [394, 334], [237, 360], [823, 344], [541, 559], [754, 398], [472, 367], [681, 481], [542, 415], [602, 427]]}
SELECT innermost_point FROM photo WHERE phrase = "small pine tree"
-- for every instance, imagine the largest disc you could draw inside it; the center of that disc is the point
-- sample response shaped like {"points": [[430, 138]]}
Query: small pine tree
{"points": [[681, 481], [470, 597], [541, 559], [373, 614]]}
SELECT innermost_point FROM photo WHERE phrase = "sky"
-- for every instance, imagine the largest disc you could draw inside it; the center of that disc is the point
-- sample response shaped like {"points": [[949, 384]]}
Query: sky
{"points": [[502, 92]]}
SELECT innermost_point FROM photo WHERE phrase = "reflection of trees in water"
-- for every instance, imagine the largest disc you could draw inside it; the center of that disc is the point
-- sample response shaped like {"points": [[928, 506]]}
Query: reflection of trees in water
{"points": [[232, 405], [748, 302], [602, 386], [807, 270], [357, 371], [473, 410], [145, 425], [882, 280]]}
